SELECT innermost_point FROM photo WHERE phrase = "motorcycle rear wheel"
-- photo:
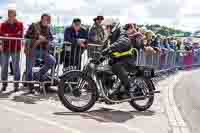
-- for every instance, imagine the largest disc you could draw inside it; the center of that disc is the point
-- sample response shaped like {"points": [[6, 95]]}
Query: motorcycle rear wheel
{"points": [[150, 99]]}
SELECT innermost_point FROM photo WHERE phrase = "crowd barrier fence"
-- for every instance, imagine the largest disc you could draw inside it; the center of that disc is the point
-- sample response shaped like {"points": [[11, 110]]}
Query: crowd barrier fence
{"points": [[69, 56]]}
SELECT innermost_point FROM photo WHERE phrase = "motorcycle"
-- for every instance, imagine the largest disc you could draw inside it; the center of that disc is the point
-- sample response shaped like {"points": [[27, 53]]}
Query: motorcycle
{"points": [[97, 83]]}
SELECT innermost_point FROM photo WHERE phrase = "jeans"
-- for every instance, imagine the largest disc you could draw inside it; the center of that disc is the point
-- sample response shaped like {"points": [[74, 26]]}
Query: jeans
{"points": [[49, 62], [5, 63]]}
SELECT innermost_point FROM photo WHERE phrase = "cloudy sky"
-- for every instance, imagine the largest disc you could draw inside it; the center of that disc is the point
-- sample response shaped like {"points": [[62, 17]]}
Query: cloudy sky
{"points": [[182, 14]]}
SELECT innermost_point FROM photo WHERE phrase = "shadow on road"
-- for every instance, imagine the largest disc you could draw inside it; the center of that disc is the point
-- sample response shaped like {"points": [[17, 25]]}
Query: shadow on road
{"points": [[29, 98], [5, 95], [107, 115]]}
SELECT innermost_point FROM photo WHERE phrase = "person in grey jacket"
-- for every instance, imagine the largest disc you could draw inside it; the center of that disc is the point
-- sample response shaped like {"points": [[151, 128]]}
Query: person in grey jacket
{"points": [[97, 36], [96, 32]]}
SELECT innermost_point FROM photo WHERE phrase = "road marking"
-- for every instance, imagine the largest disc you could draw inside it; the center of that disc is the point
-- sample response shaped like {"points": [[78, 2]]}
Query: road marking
{"points": [[37, 118], [175, 119], [135, 130]]}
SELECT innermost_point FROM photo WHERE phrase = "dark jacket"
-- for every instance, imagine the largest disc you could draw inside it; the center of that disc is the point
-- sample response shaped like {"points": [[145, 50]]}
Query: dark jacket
{"points": [[12, 30], [120, 41], [33, 33], [71, 36]]}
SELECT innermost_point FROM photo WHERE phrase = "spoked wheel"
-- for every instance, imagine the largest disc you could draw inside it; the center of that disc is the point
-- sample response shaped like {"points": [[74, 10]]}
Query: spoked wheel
{"points": [[144, 94], [77, 92]]}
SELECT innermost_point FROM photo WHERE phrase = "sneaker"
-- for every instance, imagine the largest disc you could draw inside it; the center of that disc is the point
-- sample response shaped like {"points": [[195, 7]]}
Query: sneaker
{"points": [[3, 88], [16, 89], [31, 88]]}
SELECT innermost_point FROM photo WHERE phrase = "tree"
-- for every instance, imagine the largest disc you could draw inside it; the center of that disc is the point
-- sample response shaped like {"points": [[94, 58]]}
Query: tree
{"points": [[163, 32]]}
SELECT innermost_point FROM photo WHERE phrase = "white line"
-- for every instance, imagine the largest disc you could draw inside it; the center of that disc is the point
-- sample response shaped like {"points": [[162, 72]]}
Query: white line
{"points": [[175, 119], [37, 118], [135, 130]]}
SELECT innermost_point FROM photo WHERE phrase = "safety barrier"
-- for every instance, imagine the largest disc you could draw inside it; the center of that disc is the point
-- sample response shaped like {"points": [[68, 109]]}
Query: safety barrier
{"points": [[161, 62], [70, 56], [26, 65], [166, 60], [169, 60], [75, 57]]}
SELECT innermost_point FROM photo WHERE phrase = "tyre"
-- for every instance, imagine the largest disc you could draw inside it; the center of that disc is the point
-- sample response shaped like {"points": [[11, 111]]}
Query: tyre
{"points": [[74, 84], [149, 88]]}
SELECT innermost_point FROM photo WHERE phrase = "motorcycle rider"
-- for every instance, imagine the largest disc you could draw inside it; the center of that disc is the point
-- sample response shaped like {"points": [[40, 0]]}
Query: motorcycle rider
{"points": [[121, 52]]}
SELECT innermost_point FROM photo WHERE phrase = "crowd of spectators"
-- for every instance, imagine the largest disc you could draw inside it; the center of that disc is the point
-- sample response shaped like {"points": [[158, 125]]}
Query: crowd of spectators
{"points": [[40, 34]]}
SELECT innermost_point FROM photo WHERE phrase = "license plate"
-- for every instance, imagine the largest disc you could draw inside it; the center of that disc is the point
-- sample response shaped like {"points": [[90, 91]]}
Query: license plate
{"points": [[147, 73]]}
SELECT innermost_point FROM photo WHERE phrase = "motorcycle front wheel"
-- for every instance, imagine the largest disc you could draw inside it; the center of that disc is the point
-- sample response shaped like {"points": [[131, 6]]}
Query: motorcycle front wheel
{"points": [[77, 92]]}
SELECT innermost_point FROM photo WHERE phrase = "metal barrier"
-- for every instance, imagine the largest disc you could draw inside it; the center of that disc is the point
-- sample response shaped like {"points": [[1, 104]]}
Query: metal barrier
{"points": [[69, 56], [75, 57], [163, 61], [13, 50]]}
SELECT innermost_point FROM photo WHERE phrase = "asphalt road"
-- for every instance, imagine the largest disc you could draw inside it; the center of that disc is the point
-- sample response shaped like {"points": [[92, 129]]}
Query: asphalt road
{"points": [[187, 97], [25, 113]]}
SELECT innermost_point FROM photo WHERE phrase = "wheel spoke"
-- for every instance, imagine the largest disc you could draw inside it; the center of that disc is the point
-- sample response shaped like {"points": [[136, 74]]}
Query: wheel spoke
{"points": [[85, 95], [82, 92]]}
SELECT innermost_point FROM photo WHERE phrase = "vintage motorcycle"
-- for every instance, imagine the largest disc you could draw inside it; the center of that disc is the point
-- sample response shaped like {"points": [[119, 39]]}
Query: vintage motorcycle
{"points": [[80, 90]]}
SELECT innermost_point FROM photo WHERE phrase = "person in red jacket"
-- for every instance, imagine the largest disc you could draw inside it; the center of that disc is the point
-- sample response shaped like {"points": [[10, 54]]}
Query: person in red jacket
{"points": [[11, 48]]}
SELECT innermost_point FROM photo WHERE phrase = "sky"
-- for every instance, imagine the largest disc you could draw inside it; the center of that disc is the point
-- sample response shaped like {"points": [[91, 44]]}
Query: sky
{"points": [[180, 14]]}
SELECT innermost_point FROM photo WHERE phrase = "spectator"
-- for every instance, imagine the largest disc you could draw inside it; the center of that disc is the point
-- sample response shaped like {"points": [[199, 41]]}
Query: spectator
{"points": [[137, 39], [179, 44], [149, 35], [165, 45], [40, 36], [97, 36], [155, 43], [96, 32], [152, 41], [172, 43], [130, 28], [11, 48], [78, 36]]}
